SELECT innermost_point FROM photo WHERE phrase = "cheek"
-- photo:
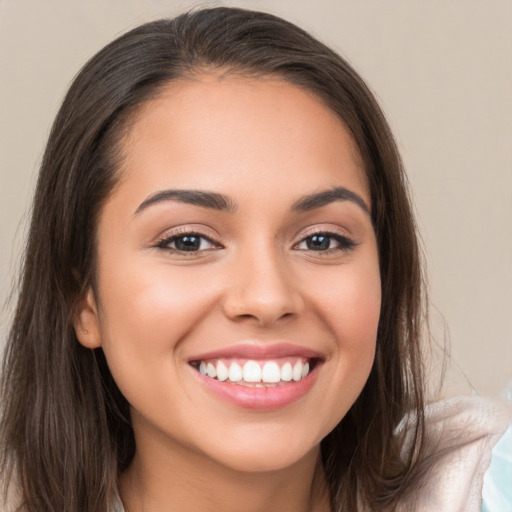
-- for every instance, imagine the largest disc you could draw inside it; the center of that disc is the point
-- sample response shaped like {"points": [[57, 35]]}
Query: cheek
{"points": [[356, 322], [145, 312], [349, 303], [159, 300], [358, 315]]}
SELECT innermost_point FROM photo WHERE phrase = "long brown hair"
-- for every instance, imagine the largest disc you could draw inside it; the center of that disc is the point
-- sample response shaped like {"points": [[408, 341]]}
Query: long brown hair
{"points": [[65, 427]]}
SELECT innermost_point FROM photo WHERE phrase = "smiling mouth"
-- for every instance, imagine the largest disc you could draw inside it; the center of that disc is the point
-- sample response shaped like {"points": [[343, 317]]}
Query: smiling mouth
{"points": [[256, 373]]}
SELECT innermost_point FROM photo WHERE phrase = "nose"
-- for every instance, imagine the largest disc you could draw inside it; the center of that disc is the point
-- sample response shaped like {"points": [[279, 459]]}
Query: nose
{"points": [[262, 288]]}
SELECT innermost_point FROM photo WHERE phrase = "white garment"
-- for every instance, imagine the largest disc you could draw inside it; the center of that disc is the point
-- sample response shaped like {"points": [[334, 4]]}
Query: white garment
{"points": [[461, 433]]}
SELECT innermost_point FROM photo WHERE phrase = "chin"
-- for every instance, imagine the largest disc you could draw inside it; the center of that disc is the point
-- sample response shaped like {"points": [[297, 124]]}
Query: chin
{"points": [[266, 450], [265, 460]]}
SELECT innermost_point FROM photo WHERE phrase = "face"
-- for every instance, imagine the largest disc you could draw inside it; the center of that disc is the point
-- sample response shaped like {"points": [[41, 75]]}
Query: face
{"points": [[238, 287]]}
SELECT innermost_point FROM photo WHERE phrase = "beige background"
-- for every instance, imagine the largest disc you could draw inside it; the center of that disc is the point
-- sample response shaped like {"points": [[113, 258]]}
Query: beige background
{"points": [[442, 70]]}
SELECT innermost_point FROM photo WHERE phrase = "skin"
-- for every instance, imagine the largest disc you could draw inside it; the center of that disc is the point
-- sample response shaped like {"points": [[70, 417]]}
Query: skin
{"points": [[265, 144]]}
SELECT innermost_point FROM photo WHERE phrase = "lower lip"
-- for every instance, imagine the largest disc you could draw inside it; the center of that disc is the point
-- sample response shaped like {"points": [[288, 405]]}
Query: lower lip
{"points": [[264, 398]]}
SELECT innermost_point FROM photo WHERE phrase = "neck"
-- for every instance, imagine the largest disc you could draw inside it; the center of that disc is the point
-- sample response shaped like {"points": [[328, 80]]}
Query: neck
{"points": [[177, 479]]}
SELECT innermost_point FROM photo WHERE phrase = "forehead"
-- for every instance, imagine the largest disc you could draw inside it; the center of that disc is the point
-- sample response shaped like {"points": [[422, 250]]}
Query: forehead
{"points": [[240, 130]]}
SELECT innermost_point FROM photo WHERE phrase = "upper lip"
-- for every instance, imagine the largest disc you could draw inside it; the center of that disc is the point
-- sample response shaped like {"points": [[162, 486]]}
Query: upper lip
{"points": [[253, 350]]}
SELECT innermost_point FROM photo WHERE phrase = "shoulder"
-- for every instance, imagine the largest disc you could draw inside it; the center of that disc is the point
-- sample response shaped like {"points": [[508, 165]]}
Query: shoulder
{"points": [[460, 435]]}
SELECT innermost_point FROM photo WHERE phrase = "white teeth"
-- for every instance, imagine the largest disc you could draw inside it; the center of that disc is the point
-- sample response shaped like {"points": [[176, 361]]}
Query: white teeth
{"points": [[286, 372], [297, 371], [252, 372], [222, 371], [271, 372], [235, 372], [212, 372]]}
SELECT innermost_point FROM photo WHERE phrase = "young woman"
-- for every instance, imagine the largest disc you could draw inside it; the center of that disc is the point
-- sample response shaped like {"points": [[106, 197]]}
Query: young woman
{"points": [[221, 301]]}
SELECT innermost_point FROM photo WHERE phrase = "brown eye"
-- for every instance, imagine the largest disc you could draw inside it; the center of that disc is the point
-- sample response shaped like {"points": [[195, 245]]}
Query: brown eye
{"points": [[324, 242], [187, 242]]}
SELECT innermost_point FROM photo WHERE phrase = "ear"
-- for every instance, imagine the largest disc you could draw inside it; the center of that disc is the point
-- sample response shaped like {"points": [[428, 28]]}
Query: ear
{"points": [[86, 321]]}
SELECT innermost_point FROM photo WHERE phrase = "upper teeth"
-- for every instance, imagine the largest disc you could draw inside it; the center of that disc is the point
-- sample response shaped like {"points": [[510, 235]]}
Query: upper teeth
{"points": [[254, 372]]}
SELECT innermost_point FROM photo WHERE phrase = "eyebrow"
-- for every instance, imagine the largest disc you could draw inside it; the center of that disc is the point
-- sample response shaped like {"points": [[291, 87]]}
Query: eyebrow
{"points": [[325, 197], [221, 202], [211, 200]]}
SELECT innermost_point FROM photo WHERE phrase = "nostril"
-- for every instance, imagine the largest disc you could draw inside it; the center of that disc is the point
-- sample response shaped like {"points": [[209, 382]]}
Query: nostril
{"points": [[264, 299], [263, 320]]}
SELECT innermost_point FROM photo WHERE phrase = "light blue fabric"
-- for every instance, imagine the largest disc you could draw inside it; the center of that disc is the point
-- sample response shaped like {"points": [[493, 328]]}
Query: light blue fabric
{"points": [[497, 492]]}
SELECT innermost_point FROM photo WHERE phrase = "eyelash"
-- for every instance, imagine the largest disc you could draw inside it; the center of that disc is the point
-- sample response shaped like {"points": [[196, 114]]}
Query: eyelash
{"points": [[345, 244]]}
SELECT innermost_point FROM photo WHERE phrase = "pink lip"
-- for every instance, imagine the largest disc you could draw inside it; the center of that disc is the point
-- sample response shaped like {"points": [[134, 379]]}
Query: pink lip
{"points": [[257, 351], [261, 399]]}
